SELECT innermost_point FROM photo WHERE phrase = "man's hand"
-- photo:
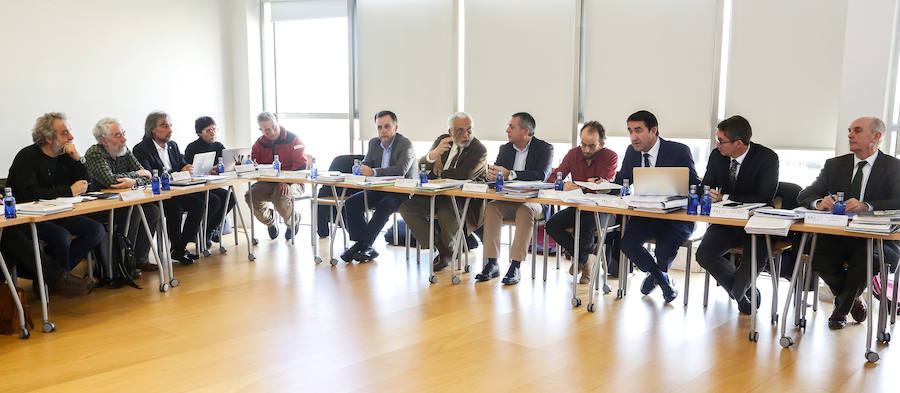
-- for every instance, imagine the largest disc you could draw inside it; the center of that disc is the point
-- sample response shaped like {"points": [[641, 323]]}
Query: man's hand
{"points": [[214, 170], [72, 151], [124, 182], [853, 205], [284, 189], [716, 195], [190, 168], [79, 187], [569, 186], [438, 167], [144, 173], [365, 170], [491, 173], [826, 204], [442, 147]]}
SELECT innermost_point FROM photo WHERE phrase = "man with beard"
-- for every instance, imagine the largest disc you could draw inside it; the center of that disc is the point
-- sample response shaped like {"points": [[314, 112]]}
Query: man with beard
{"points": [[52, 168], [588, 162], [111, 165], [455, 155]]}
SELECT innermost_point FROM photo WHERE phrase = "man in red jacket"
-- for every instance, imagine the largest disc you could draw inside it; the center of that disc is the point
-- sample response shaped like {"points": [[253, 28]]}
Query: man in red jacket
{"points": [[290, 151]]}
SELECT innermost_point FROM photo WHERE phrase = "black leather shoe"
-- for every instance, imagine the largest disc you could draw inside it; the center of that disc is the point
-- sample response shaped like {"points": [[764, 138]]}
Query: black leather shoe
{"points": [[837, 321], [192, 256], [669, 291], [512, 276], [743, 305], [351, 253], [273, 232], [648, 285], [490, 270], [367, 255], [182, 258], [858, 311], [289, 234]]}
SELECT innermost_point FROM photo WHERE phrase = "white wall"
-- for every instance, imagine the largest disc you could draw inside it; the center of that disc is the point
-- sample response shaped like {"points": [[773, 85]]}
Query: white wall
{"points": [[120, 58]]}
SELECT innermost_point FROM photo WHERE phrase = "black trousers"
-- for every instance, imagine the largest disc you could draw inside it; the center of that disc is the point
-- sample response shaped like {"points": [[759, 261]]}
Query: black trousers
{"points": [[216, 200], [175, 207], [18, 252], [717, 241], [558, 224], [840, 262]]}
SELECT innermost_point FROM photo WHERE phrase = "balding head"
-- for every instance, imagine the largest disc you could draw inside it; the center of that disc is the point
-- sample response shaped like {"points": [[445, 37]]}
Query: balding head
{"points": [[864, 136]]}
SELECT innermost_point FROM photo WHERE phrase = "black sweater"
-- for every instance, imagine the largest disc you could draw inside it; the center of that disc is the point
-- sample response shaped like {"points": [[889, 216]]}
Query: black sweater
{"points": [[200, 146], [34, 175]]}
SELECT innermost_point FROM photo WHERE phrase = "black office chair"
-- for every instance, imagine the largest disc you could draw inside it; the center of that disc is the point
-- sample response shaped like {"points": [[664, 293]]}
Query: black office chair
{"points": [[343, 164]]}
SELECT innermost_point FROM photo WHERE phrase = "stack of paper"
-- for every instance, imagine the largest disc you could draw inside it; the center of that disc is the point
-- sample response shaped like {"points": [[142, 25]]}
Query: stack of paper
{"points": [[43, 208], [760, 225], [330, 178], [878, 217], [729, 209], [524, 189], [376, 181], [656, 204], [441, 185], [865, 225], [778, 213], [605, 186]]}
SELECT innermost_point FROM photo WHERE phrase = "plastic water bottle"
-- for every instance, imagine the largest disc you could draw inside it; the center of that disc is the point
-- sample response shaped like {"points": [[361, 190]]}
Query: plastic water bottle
{"points": [[154, 182], [9, 203], [164, 181], [559, 184], [693, 201], [220, 167], [423, 175], [705, 202], [356, 166], [626, 188], [249, 161], [498, 182], [313, 169], [276, 165], [839, 207]]}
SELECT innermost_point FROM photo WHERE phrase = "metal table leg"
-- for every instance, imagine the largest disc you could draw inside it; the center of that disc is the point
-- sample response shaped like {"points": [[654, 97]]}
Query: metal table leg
{"points": [[787, 341], [48, 326], [774, 273], [23, 330], [576, 301], [203, 224], [252, 226], [883, 335], [871, 356], [462, 225], [623, 264], [595, 275], [160, 261], [314, 221], [221, 226], [431, 277], [240, 214], [166, 246], [332, 232], [754, 334]]}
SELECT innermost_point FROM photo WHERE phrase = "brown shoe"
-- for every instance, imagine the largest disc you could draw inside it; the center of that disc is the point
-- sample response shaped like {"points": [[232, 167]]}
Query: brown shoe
{"points": [[146, 267], [858, 310], [72, 286], [837, 321], [586, 270], [441, 262]]}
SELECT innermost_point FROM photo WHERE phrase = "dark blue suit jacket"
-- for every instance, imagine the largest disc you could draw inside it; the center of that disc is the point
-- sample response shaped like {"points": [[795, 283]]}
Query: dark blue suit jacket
{"points": [[537, 163], [671, 154]]}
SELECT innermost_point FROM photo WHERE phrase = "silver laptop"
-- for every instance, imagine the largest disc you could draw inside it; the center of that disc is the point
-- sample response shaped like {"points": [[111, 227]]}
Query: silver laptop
{"points": [[231, 156], [661, 181], [203, 164]]}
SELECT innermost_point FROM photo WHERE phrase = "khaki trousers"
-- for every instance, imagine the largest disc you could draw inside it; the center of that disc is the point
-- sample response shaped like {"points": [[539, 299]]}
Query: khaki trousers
{"points": [[495, 213], [267, 192]]}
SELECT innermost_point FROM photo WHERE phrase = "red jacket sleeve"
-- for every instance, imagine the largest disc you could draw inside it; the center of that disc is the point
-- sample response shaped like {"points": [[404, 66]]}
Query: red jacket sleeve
{"points": [[610, 162], [298, 156], [563, 167]]}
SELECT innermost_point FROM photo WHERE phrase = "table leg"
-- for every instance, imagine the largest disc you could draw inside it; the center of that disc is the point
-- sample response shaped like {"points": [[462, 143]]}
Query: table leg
{"points": [[595, 275], [454, 279], [240, 214], [431, 277], [576, 301], [163, 265], [871, 356], [167, 259], [48, 326], [23, 330], [754, 335]]}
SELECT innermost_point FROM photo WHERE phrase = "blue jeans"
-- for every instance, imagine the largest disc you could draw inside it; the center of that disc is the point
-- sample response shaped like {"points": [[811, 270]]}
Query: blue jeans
{"points": [[60, 245], [385, 204]]}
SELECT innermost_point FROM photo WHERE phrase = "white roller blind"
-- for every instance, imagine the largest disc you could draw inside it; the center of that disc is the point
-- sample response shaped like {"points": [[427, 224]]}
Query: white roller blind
{"points": [[405, 65], [785, 70], [308, 9], [520, 58], [656, 55]]}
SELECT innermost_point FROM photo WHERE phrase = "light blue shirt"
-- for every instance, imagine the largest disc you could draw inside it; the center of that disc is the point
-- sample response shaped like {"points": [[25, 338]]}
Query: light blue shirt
{"points": [[386, 155]]}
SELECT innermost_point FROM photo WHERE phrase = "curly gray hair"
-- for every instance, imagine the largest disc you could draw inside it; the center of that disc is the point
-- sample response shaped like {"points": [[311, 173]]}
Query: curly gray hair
{"points": [[43, 127]]}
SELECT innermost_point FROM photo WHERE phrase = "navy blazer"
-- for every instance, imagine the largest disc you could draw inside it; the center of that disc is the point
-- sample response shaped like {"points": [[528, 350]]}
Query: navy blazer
{"points": [[671, 154], [537, 162], [145, 152], [757, 179], [882, 188]]}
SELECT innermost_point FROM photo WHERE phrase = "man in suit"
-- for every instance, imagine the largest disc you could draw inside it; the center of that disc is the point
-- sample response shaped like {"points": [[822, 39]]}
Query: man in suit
{"points": [[589, 162], [647, 149], [524, 157], [743, 172], [389, 154], [455, 155], [871, 181], [157, 151]]}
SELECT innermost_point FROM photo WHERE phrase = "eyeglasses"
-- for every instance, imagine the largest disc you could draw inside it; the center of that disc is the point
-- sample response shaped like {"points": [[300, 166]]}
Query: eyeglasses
{"points": [[590, 146], [460, 131], [721, 142]]}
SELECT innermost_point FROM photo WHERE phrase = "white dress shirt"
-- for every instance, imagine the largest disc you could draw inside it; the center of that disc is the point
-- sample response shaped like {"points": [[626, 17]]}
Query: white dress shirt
{"points": [[164, 155], [519, 163], [654, 153]]}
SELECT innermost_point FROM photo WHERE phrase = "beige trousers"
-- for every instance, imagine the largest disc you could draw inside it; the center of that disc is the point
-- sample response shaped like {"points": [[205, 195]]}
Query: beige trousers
{"points": [[495, 213], [266, 192]]}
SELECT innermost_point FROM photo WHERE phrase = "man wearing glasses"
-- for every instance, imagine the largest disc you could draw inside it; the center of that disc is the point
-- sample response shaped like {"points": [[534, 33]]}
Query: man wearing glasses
{"points": [[455, 155], [589, 162], [647, 149], [742, 172]]}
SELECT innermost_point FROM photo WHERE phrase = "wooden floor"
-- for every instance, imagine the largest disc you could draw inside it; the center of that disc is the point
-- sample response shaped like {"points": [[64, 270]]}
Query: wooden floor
{"points": [[284, 324]]}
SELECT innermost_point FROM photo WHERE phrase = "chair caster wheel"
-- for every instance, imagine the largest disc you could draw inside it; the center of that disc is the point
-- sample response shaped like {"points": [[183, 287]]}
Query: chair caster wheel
{"points": [[872, 356], [468, 268], [576, 301], [49, 327], [455, 280], [334, 262], [206, 253], [251, 257], [786, 342], [884, 337], [754, 336], [164, 287], [255, 241], [223, 250], [23, 333], [606, 289], [433, 279], [592, 307], [174, 282]]}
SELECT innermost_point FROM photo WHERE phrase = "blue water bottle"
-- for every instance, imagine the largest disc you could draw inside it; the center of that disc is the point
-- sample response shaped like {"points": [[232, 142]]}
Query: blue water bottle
{"points": [[626, 188], [498, 182], [220, 167], [559, 184], [705, 202], [839, 207], [356, 168], [423, 175], [249, 161], [693, 201], [154, 182], [164, 181], [276, 165], [9, 203], [313, 169]]}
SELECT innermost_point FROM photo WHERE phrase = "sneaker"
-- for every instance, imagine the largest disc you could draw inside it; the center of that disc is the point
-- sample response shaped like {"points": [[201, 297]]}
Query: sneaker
{"points": [[273, 232], [648, 285], [70, 285], [288, 234]]}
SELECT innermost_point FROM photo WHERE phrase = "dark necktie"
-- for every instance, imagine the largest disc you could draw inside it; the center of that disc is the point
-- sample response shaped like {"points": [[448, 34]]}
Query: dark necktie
{"points": [[455, 159], [646, 160], [856, 184], [732, 173]]}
